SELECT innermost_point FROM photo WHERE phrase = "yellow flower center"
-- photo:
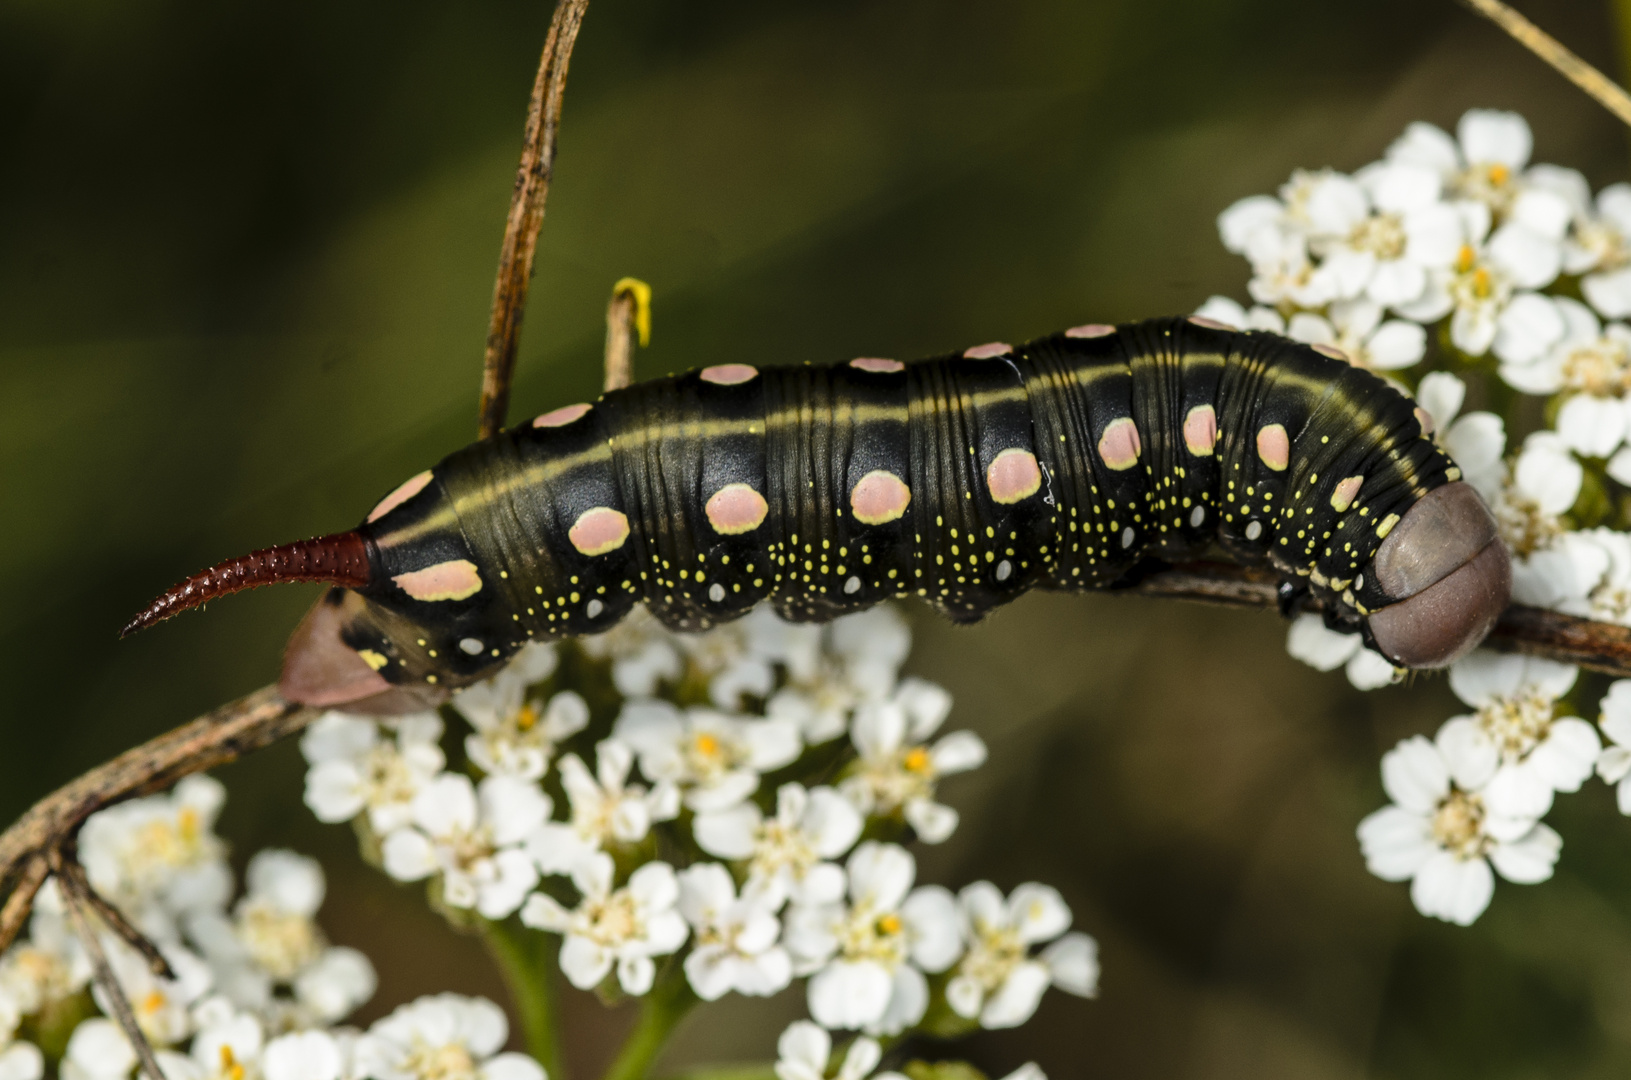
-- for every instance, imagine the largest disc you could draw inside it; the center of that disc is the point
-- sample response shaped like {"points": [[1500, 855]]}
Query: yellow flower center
{"points": [[230, 1067], [918, 760], [527, 718], [707, 745], [447, 1062], [1517, 723], [1458, 825]]}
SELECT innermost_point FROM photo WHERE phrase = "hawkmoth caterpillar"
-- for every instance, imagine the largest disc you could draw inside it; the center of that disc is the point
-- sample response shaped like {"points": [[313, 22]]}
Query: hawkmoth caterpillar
{"points": [[1064, 463]]}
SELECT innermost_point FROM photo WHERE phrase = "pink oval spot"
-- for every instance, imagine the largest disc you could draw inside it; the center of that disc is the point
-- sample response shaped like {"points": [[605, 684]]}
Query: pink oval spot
{"points": [[876, 363], [1119, 446], [1210, 324], [1013, 475], [1332, 351], [405, 491], [729, 374], [736, 508], [1425, 419], [987, 351], [1274, 447], [562, 416], [1343, 497], [1090, 330], [599, 530], [452, 580], [879, 498], [1201, 430]]}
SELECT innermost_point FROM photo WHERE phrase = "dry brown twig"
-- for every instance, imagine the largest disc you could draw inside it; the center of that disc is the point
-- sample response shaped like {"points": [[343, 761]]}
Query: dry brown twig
{"points": [[526, 215], [1603, 90], [42, 841], [628, 315]]}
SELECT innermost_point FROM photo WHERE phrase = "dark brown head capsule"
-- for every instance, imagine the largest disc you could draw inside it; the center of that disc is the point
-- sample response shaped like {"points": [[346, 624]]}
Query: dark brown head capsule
{"points": [[1448, 571]]}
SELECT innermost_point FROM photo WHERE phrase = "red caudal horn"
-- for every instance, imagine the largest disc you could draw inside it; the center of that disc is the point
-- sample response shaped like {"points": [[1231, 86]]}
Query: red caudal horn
{"points": [[341, 559]]}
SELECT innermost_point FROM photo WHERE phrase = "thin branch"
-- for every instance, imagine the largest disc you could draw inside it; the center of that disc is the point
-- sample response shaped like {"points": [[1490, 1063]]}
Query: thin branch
{"points": [[1599, 646], [264, 718], [526, 215], [70, 866], [627, 315], [106, 980], [214, 739], [1605, 91], [31, 875]]}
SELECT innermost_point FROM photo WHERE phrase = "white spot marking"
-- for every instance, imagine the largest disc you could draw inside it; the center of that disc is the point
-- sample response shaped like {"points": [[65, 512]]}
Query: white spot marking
{"points": [[852, 586], [470, 645], [1197, 517], [716, 592], [1359, 582], [594, 609], [1127, 537], [1005, 570], [1254, 530]]}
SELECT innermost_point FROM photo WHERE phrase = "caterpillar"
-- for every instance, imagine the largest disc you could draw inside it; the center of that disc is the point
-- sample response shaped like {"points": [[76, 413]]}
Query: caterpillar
{"points": [[1064, 463]]}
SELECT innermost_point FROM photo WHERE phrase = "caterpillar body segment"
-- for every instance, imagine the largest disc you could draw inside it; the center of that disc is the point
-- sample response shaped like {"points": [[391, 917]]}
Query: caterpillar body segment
{"points": [[964, 480]]}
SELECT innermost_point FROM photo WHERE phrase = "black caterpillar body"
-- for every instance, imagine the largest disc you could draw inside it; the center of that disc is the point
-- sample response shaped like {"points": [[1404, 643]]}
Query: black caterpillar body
{"points": [[964, 479]]}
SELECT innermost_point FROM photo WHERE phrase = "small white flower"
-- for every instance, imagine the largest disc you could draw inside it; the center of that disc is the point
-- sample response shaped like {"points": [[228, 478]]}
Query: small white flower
{"points": [[1283, 271], [21, 1061], [1385, 255], [1586, 573], [305, 1055], [998, 981], [1443, 838], [18, 1060], [1476, 441], [473, 837], [1601, 244], [611, 927], [1515, 748], [520, 742], [50, 964], [1614, 763], [356, 768], [160, 851], [713, 758], [643, 653], [1311, 642], [1485, 162], [735, 947], [1356, 328], [341, 981], [1545, 483], [787, 855], [515, 734], [607, 811], [162, 1006], [740, 658], [98, 1050], [1231, 313], [1245, 219], [228, 1048], [442, 1038], [869, 956], [1591, 365], [804, 1052], [859, 661], [897, 771]]}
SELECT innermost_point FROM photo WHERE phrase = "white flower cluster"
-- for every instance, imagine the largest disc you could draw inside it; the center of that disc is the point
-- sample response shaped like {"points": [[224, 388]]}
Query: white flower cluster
{"points": [[1529, 274], [258, 988], [707, 817]]}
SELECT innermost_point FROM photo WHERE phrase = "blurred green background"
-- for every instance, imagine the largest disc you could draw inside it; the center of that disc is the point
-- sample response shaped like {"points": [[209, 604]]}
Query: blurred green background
{"points": [[246, 253]]}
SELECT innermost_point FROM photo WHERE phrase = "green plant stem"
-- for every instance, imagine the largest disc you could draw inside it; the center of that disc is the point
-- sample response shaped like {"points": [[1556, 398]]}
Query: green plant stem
{"points": [[526, 958], [660, 1012]]}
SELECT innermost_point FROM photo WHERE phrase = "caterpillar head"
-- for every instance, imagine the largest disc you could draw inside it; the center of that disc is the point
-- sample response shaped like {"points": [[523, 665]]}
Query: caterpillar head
{"points": [[1450, 577]]}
